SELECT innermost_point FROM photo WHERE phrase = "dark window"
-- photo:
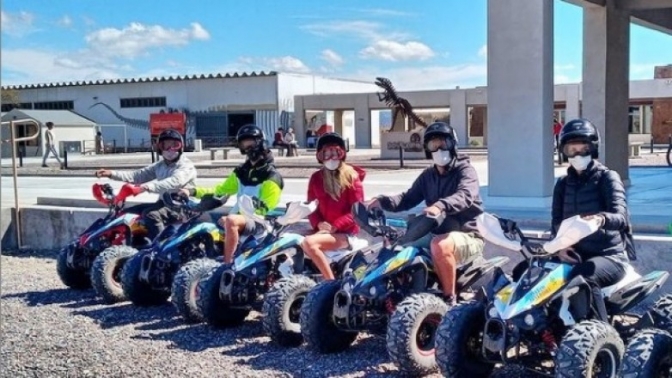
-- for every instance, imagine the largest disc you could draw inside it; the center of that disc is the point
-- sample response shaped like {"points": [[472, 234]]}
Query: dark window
{"points": [[143, 102], [54, 105], [23, 105]]}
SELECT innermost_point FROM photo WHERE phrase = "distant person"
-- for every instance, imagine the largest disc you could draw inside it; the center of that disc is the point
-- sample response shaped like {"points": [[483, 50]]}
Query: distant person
{"points": [[100, 145], [292, 144], [557, 127], [50, 146]]}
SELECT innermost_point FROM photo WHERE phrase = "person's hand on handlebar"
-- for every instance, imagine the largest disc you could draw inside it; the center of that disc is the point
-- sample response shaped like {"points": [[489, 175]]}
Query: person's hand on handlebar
{"points": [[432, 211], [184, 193], [103, 173], [568, 255], [372, 203], [600, 218]]}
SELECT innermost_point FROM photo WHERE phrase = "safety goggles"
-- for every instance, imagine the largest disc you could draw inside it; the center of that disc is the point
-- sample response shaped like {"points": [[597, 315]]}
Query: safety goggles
{"points": [[170, 145], [247, 144], [573, 149], [331, 153], [443, 144]]}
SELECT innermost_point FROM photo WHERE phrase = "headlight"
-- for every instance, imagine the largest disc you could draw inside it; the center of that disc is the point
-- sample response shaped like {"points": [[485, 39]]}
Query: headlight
{"points": [[254, 271], [347, 287], [372, 290], [529, 320], [492, 312]]}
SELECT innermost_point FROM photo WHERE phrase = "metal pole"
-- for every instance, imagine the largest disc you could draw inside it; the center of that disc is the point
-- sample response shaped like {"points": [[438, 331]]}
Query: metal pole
{"points": [[16, 186], [125, 138], [401, 157], [652, 144]]}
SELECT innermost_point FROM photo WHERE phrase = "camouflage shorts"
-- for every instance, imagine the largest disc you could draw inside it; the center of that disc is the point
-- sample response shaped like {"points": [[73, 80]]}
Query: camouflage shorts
{"points": [[467, 246]]}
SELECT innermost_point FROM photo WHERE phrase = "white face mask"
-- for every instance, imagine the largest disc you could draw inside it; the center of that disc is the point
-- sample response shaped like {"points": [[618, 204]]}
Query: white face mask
{"points": [[170, 155], [580, 163], [441, 158], [332, 165]]}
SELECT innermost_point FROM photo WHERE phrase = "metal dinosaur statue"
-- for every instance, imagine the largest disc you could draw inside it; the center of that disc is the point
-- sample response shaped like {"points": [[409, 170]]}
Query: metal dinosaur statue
{"points": [[397, 103]]}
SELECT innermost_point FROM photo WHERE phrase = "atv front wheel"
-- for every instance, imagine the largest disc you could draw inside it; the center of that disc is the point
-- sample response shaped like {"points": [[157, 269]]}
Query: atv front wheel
{"points": [[140, 293], [106, 272], [317, 327], [459, 341], [77, 279], [216, 312], [185, 285], [590, 349], [648, 355], [411, 333], [282, 309]]}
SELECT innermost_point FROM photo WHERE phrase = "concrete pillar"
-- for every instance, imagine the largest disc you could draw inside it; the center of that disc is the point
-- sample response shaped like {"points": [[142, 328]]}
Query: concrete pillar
{"points": [[606, 92], [573, 104], [362, 122], [520, 103], [338, 122], [299, 121], [458, 116]]}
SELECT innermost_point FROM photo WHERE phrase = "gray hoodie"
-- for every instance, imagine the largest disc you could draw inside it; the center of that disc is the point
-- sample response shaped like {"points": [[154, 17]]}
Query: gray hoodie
{"points": [[169, 177]]}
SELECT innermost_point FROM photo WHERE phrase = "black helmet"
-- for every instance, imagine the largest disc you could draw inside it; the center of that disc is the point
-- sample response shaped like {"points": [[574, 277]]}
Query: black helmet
{"points": [[580, 130], [327, 139], [441, 129], [251, 131]]}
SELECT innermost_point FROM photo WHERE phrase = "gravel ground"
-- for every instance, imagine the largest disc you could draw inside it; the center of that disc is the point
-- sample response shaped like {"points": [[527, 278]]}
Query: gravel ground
{"points": [[49, 330]]}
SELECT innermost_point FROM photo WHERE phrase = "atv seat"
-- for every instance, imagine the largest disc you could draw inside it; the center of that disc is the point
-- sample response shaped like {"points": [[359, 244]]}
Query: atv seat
{"points": [[470, 272], [630, 276], [356, 244]]}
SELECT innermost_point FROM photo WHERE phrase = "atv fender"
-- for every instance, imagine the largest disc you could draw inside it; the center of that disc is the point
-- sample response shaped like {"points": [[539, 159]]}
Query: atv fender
{"points": [[631, 294], [575, 298], [471, 272]]}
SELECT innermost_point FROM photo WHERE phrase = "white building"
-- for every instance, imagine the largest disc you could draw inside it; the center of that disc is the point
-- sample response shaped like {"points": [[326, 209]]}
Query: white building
{"points": [[218, 104]]}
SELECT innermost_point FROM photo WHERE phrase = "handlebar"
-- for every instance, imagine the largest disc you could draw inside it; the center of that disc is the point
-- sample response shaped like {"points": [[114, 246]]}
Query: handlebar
{"points": [[104, 193], [191, 207]]}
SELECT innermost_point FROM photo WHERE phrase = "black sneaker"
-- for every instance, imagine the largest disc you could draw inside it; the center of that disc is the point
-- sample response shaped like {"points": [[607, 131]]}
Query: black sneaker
{"points": [[45, 166]]}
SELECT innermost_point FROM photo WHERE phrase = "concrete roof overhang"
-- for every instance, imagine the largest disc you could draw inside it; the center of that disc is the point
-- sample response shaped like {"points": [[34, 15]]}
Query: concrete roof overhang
{"points": [[652, 14]]}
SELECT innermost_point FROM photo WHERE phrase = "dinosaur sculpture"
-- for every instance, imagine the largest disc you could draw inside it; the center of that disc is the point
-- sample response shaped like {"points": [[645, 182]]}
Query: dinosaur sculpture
{"points": [[135, 123], [396, 103]]}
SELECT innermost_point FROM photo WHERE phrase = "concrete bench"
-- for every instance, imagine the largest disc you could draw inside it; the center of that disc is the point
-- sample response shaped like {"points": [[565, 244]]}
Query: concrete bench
{"points": [[634, 149], [225, 152], [281, 150]]}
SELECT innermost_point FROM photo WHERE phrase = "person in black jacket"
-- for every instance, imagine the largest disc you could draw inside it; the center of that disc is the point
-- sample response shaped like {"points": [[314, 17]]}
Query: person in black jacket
{"points": [[591, 190], [449, 186]]}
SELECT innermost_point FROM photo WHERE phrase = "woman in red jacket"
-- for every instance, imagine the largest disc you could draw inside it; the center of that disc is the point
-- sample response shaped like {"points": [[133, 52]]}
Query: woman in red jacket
{"points": [[336, 186]]}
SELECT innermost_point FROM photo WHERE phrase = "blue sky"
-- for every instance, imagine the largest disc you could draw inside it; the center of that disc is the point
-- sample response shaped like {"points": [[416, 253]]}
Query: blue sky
{"points": [[440, 44]]}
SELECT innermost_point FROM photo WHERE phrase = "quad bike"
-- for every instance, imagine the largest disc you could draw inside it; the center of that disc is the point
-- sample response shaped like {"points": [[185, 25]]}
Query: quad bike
{"points": [[118, 230], [648, 355], [147, 276], [282, 303], [396, 293], [537, 321], [228, 294]]}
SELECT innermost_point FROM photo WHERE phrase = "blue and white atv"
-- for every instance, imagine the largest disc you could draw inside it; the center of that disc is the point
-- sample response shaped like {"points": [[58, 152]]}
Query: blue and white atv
{"points": [[396, 293], [228, 294], [537, 322]]}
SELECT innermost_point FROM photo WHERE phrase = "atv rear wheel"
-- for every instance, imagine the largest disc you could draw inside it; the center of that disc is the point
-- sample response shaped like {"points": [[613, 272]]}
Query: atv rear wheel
{"points": [[590, 348], [216, 312], [140, 293], [77, 279], [661, 312], [317, 327], [282, 309], [106, 272], [185, 288], [459, 341], [411, 333], [648, 355]]}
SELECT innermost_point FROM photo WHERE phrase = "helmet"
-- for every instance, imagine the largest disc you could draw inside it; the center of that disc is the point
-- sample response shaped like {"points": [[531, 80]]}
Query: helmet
{"points": [[251, 131], [329, 139], [580, 130], [444, 130], [171, 134]]}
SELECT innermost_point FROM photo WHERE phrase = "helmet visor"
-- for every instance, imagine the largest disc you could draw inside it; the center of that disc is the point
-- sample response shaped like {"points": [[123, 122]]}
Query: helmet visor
{"points": [[332, 152], [170, 145], [440, 143], [247, 144], [576, 148]]}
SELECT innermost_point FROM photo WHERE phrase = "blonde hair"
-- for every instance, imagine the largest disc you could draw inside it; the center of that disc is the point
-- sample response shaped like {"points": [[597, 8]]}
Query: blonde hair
{"points": [[338, 180]]}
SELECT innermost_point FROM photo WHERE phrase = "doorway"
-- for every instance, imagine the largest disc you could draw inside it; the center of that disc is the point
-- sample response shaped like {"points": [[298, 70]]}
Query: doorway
{"points": [[238, 120]]}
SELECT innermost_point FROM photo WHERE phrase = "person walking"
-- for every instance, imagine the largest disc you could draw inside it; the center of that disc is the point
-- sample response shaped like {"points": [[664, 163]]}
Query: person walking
{"points": [[49, 146]]}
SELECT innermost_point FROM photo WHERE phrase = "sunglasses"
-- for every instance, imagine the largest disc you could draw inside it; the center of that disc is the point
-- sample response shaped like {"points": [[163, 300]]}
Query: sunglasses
{"points": [[442, 144], [170, 145], [576, 149], [331, 153]]}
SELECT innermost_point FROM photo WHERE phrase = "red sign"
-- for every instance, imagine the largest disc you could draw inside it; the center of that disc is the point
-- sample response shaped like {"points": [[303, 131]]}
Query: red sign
{"points": [[164, 121]]}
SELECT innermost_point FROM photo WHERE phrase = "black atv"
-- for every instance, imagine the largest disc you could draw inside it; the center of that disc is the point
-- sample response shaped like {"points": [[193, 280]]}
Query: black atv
{"points": [[397, 293], [542, 320]]}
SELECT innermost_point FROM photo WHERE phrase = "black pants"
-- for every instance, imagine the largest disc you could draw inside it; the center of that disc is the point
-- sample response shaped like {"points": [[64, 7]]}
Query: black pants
{"points": [[598, 272], [155, 216]]}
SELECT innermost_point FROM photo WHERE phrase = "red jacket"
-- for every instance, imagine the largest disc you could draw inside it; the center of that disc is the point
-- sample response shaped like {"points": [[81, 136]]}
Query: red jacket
{"points": [[336, 213]]}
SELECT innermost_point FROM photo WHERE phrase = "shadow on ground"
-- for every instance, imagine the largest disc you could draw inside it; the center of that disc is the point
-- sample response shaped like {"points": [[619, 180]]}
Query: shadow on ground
{"points": [[65, 296]]}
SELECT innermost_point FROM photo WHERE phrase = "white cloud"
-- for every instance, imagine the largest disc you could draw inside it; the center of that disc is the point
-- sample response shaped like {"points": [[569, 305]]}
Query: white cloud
{"points": [[65, 21], [287, 64], [17, 24], [397, 51], [282, 63], [331, 57], [428, 77], [137, 38], [483, 51]]}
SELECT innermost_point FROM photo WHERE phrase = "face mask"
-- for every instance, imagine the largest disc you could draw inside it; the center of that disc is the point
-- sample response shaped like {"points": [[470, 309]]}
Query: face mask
{"points": [[170, 155], [332, 165], [441, 158], [580, 163]]}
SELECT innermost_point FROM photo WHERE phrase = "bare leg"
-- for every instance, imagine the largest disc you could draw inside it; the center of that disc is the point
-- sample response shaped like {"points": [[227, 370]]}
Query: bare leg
{"points": [[314, 245], [445, 264], [233, 224]]}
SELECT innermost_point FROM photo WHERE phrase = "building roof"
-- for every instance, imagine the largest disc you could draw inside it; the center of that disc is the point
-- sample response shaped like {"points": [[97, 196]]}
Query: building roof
{"points": [[58, 117], [143, 80]]}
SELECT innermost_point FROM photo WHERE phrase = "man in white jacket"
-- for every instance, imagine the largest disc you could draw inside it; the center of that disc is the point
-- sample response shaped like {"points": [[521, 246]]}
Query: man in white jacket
{"points": [[172, 173], [50, 145]]}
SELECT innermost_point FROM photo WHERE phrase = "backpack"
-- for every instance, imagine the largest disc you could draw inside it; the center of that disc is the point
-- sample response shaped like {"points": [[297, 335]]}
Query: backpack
{"points": [[626, 233]]}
